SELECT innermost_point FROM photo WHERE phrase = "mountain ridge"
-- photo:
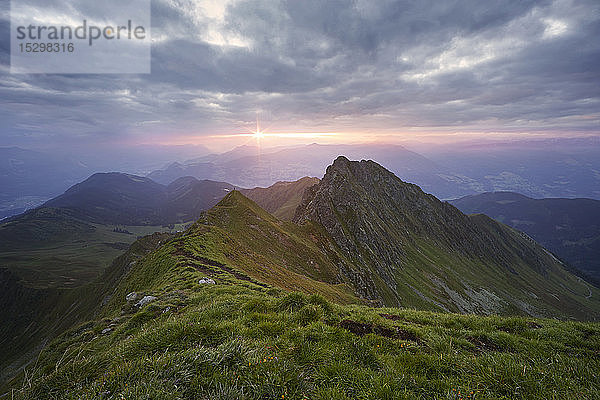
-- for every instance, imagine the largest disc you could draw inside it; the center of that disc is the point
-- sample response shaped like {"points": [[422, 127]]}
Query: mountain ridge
{"points": [[567, 227], [392, 230], [282, 198]]}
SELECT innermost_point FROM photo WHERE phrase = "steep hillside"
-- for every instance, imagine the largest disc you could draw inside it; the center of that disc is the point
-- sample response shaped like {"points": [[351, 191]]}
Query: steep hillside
{"points": [[236, 242], [237, 239], [31, 317], [51, 252], [411, 249], [282, 198], [570, 228]]}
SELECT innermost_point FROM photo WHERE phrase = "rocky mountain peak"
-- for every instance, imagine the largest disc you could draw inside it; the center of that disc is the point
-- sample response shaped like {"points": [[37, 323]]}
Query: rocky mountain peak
{"points": [[384, 225]]}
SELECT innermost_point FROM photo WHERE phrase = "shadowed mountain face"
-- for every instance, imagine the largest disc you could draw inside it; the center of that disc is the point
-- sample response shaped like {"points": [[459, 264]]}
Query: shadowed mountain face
{"points": [[116, 198], [282, 198], [409, 248], [570, 228], [29, 178]]}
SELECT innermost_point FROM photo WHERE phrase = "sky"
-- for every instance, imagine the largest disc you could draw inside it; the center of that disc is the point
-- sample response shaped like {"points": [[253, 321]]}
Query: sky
{"points": [[324, 71]]}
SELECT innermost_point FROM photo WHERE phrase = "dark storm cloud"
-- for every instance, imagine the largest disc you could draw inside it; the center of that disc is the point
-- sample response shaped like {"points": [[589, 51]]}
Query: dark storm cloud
{"points": [[383, 64]]}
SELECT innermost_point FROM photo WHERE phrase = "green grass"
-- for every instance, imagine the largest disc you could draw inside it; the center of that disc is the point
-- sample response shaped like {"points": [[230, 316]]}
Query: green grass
{"points": [[232, 342], [63, 252], [35, 315]]}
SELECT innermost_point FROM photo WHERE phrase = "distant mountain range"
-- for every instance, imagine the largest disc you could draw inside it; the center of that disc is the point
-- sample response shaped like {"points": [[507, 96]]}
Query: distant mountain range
{"points": [[570, 228], [537, 168], [29, 178], [250, 166]]}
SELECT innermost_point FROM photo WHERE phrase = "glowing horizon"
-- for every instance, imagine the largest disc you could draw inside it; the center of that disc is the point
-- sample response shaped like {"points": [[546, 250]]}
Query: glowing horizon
{"points": [[227, 141]]}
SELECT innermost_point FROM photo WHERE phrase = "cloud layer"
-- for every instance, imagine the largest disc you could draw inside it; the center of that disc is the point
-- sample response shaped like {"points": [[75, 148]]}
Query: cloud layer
{"points": [[384, 66]]}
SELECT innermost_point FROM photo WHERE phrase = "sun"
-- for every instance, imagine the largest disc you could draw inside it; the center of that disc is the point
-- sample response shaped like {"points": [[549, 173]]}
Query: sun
{"points": [[258, 133]]}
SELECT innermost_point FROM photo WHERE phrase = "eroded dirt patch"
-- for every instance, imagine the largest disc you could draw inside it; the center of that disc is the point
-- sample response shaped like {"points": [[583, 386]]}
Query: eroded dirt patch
{"points": [[483, 343], [361, 329], [534, 325]]}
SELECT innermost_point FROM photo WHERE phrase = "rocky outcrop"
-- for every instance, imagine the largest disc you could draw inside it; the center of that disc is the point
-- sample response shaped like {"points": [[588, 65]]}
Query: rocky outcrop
{"points": [[145, 300]]}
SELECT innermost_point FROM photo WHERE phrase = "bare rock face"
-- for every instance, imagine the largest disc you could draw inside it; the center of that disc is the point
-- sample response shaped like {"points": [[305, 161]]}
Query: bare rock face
{"points": [[369, 203], [133, 296]]}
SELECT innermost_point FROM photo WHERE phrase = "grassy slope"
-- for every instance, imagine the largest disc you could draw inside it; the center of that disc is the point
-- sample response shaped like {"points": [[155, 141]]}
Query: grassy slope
{"points": [[236, 342], [481, 286], [52, 258], [416, 251], [244, 339], [34, 316], [282, 198], [567, 227], [52, 248], [237, 241], [55, 261]]}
